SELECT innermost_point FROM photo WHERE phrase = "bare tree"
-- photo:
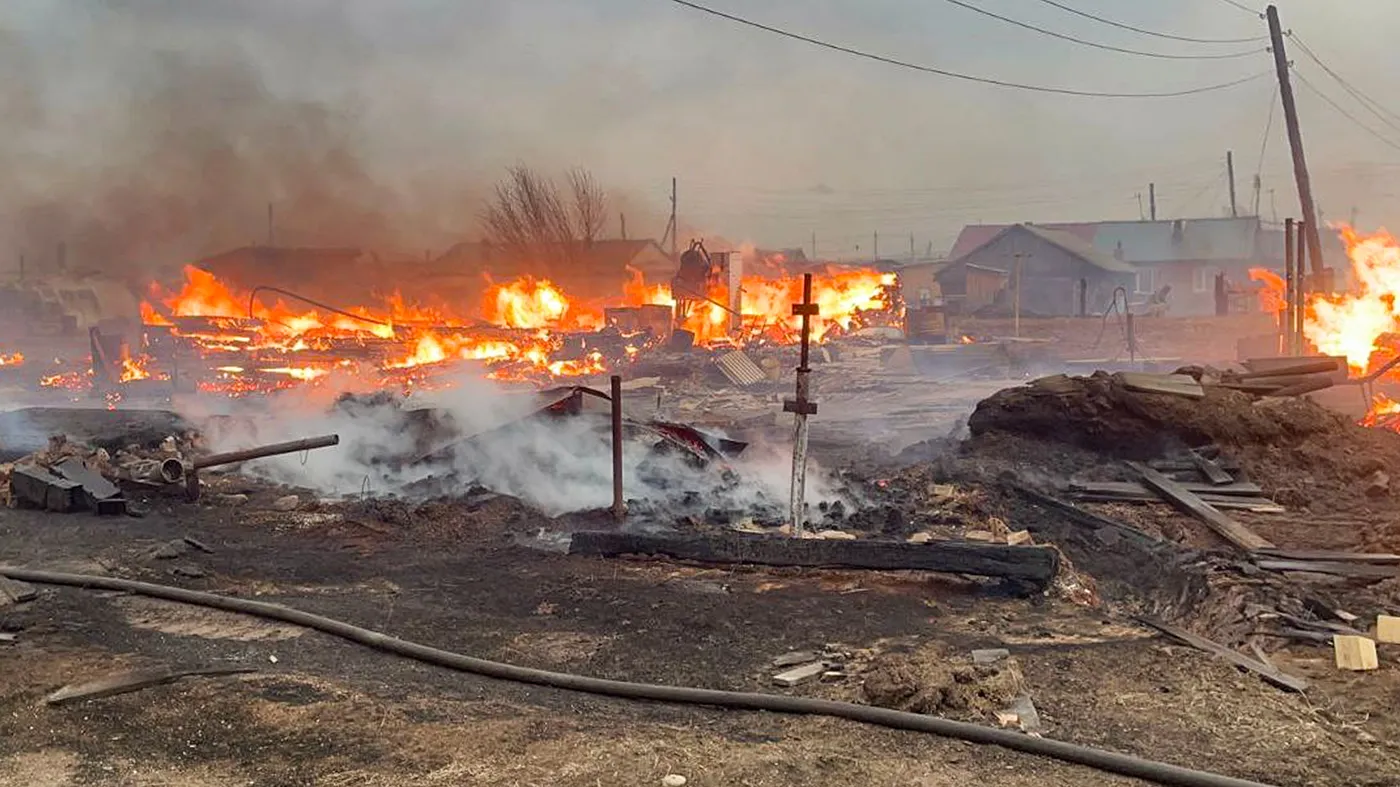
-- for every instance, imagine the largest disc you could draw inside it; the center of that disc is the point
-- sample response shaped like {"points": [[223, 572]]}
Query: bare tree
{"points": [[529, 218]]}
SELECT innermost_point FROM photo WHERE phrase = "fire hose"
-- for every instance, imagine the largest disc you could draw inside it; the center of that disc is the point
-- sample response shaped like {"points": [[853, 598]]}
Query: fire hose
{"points": [[1112, 762]]}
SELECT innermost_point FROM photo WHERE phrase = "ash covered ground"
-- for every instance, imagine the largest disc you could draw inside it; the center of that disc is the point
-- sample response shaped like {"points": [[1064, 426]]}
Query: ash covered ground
{"points": [[443, 522]]}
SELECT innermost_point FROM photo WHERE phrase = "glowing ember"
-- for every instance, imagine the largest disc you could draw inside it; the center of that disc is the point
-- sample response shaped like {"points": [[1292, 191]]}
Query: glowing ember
{"points": [[1385, 412], [1353, 324], [13, 359]]}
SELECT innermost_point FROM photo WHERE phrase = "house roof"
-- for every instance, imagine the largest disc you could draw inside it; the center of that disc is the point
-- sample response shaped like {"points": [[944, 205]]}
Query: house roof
{"points": [[1067, 241], [1146, 242]]}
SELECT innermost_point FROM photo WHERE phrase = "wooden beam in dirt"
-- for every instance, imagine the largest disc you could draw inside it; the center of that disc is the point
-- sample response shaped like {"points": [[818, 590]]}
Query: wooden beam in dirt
{"points": [[1354, 570], [1235, 488], [1212, 471], [12, 591], [1266, 671], [1258, 505], [126, 682], [1033, 564], [1328, 556], [1085, 518], [1187, 502]]}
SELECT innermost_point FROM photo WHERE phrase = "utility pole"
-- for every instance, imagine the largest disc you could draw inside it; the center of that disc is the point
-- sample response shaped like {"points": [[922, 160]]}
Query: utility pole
{"points": [[814, 245], [1295, 142], [269, 225], [1141, 215], [1230, 171], [801, 406], [1152, 201], [1016, 303], [1258, 189], [622, 218], [911, 246], [876, 246]]}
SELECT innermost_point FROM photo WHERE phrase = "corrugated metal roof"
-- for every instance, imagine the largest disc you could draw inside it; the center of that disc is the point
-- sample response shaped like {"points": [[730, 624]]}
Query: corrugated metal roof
{"points": [[975, 236], [740, 368], [1184, 239], [1079, 247]]}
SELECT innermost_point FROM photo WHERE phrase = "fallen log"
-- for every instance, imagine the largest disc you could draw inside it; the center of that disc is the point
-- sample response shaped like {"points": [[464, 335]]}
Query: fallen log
{"points": [[1033, 564]]}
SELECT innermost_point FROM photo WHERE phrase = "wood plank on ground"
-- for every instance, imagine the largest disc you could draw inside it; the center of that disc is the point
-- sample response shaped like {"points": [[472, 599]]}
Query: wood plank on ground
{"points": [[134, 680], [1357, 570], [1266, 671], [1187, 502], [1212, 471], [1237, 488], [1258, 505], [1034, 564], [1328, 556]]}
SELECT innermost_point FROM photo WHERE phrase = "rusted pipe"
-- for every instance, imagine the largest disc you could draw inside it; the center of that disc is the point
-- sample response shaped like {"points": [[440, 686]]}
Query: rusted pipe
{"points": [[231, 457]]}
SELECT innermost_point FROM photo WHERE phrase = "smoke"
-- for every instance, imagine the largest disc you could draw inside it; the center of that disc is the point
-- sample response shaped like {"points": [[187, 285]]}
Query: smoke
{"points": [[556, 465]]}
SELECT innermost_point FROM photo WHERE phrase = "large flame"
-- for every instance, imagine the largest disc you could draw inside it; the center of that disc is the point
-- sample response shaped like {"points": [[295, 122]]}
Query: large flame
{"points": [[1353, 324]]}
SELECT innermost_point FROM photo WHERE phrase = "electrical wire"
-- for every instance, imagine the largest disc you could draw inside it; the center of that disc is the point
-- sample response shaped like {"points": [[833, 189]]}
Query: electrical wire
{"points": [[1305, 83], [955, 74], [1107, 761], [1095, 45], [1145, 32], [1268, 127], [1244, 8], [1374, 107]]}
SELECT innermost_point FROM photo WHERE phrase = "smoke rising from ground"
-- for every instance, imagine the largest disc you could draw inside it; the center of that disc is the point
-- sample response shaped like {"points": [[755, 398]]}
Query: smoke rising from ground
{"points": [[556, 465]]}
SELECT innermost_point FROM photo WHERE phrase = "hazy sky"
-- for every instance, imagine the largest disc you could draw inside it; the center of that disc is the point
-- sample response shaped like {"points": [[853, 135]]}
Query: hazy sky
{"points": [[416, 106]]}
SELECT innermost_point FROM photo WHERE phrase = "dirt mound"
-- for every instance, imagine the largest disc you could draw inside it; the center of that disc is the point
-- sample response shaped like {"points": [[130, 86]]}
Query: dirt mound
{"points": [[1101, 414], [931, 681]]}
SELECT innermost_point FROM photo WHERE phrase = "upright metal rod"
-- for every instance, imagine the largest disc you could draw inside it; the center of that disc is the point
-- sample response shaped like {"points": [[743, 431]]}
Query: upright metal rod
{"points": [[619, 506], [802, 406], [1300, 292], [1290, 286]]}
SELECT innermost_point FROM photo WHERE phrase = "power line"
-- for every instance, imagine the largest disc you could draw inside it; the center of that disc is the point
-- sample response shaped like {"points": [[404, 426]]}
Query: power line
{"points": [[1343, 111], [1095, 45], [1243, 8], [1373, 106], [955, 74], [1268, 126], [1168, 36]]}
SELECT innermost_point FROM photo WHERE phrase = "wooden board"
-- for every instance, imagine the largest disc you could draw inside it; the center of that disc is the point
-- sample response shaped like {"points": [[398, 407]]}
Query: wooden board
{"points": [[1237, 488], [1327, 556], [1355, 653], [126, 682], [1173, 384], [1357, 570], [1187, 502], [1266, 671], [1032, 564], [1213, 472], [1257, 505]]}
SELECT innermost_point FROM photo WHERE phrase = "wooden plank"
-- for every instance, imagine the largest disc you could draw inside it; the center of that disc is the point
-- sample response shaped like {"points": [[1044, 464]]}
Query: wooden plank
{"points": [[1187, 502], [1355, 653], [1388, 629], [1085, 518], [12, 591], [1378, 558], [1238, 488], [1357, 570], [1213, 472], [798, 675], [126, 682], [1172, 384], [1229, 464], [1032, 564], [1258, 505], [1271, 674]]}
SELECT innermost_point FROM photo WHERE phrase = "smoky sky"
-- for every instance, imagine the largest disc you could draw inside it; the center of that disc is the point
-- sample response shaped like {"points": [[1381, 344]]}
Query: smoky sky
{"points": [[147, 132]]}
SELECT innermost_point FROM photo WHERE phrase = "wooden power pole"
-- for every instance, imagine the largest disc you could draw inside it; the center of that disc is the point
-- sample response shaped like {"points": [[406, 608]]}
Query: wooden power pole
{"points": [[675, 254], [1295, 143], [1230, 171], [1152, 201]]}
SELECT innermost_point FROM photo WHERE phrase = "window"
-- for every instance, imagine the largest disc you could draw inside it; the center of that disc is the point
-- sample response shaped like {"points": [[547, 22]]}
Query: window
{"points": [[1203, 278], [1146, 280]]}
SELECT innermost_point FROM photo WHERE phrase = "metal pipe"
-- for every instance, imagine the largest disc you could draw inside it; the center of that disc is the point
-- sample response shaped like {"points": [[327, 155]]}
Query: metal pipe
{"points": [[619, 506], [1290, 286], [172, 471], [214, 460]]}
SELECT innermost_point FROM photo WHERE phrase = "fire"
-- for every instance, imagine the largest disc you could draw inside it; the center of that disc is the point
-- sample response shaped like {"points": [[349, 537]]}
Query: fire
{"points": [[134, 369], [12, 359], [1385, 412], [535, 303], [1353, 324], [841, 296], [1273, 296]]}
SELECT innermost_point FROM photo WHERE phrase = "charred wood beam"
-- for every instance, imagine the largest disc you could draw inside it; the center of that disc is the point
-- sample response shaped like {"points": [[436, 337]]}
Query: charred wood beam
{"points": [[1030, 564]]}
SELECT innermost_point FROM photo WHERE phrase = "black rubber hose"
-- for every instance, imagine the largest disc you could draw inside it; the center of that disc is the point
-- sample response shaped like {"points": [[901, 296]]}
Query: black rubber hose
{"points": [[1111, 762]]}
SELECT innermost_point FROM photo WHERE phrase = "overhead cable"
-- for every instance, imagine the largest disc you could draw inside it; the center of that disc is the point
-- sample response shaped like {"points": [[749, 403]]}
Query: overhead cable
{"points": [[1095, 45], [957, 75], [1154, 33], [1340, 109], [1374, 107]]}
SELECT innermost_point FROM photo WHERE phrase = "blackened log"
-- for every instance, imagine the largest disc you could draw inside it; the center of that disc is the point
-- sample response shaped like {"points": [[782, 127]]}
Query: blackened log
{"points": [[1032, 564]]}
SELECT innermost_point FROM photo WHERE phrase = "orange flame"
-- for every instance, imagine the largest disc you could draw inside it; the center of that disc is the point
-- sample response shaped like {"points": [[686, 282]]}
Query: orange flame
{"points": [[1354, 323], [13, 359], [1273, 296]]}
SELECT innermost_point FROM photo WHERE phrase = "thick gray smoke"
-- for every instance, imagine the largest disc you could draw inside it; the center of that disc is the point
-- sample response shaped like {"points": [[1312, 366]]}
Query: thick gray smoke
{"points": [[556, 465]]}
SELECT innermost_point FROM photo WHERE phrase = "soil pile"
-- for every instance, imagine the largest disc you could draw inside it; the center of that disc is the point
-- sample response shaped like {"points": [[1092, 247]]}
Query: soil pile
{"points": [[931, 681]]}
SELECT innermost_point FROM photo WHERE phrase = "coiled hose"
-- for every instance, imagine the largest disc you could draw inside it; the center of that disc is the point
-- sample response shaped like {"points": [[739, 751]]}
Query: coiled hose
{"points": [[1111, 762]]}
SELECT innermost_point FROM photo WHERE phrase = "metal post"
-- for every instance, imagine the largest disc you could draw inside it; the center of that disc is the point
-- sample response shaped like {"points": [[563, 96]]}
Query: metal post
{"points": [[619, 506], [802, 406], [1300, 262], [1290, 285]]}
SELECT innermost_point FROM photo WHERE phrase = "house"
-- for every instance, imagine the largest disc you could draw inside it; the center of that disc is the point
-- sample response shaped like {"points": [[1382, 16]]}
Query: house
{"points": [[598, 270], [1184, 254], [919, 283], [1057, 269]]}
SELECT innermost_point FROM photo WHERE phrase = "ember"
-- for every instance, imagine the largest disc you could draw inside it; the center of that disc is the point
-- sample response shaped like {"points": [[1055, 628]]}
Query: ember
{"points": [[12, 359]]}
